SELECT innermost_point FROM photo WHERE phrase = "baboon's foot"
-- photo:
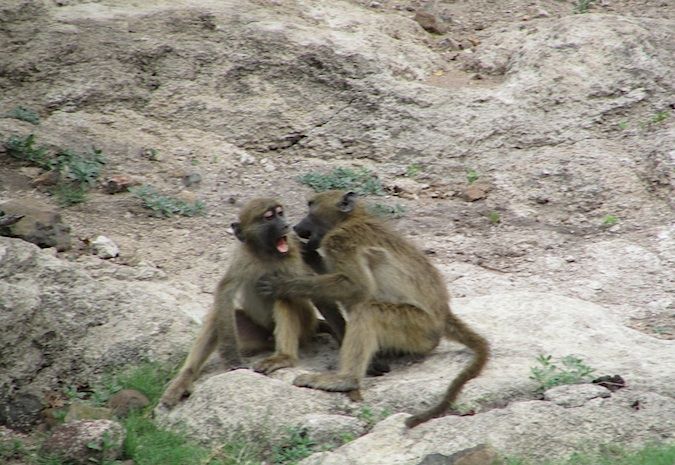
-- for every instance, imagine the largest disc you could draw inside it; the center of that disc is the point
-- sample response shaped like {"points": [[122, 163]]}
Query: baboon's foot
{"points": [[328, 382], [273, 363], [179, 388]]}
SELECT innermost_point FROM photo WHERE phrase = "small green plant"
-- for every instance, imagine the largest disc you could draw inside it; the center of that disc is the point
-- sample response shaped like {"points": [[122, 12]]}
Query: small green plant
{"points": [[472, 176], [623, 125], [165, 206], [68, 194], [610, 220], [549, 374], [297, 446], [24, 149], [659, 117], [370, 417], [494, 217], [79, 168], [388, 211], [72, 393], [24, 114], [582, 6], [413, 170], [151, 154], [361, 181]]}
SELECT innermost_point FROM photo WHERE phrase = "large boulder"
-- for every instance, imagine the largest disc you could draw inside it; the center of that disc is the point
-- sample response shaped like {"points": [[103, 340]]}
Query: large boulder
{"points": [[63, 323], [520, 327]]}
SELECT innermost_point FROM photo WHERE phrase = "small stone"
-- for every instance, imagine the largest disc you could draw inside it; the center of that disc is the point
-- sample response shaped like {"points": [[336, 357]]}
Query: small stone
{"points": [[247, 159], [187, 196], [541, 13], [430, 22], [475, 192], [104, 247], [270, 168], [191, 179], [117, 184], [127, 400], [448, 43], [570, 259], [48, 178]]}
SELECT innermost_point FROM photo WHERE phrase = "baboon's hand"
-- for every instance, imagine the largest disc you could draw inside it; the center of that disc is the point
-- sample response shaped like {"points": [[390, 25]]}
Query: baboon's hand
{"points": [[270, 285]]}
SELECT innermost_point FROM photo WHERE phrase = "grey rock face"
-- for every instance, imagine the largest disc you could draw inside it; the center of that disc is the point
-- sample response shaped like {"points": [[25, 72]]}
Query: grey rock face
{"points": [[61, 324]]}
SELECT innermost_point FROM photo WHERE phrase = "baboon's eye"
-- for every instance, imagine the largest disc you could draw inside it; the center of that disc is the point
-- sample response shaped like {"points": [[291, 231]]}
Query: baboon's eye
{"points": [[310, 203], [280, 211], [268, 215]]}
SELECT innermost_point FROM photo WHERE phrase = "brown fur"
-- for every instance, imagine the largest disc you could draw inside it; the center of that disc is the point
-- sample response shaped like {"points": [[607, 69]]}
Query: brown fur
{"points": [[395, 298], [243, 320]]}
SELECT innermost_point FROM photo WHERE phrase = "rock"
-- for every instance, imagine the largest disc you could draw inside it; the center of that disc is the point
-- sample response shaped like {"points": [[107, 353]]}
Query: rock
{"points": [[22, 412], [613, 383], [41, 224], [104, 247], [62, 324], [127, 400], [430, 22], [84, 411], [46, 179], [86, 442], [191, 179], [332, 430], [243, 403], [475, 191], [187, 196], [8, 220], [119, 183], [575, 395], [247, 159], [537, 430], [482, 454]]}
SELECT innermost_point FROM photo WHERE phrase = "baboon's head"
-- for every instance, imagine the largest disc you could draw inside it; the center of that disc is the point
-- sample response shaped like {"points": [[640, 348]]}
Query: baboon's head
{"points": [[326, 211], [262, 227]]}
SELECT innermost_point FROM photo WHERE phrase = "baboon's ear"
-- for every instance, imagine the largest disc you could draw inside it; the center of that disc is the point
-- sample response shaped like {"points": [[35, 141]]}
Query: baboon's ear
{"points": [[347, 203], [236, 227]]}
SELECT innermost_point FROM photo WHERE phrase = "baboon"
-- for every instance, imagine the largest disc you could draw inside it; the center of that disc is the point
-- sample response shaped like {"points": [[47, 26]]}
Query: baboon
{"points": [[244, 321], [395, 298]]}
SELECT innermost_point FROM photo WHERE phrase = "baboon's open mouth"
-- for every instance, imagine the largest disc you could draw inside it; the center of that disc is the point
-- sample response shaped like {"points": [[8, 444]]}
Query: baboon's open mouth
{"points": [[282, 244]]}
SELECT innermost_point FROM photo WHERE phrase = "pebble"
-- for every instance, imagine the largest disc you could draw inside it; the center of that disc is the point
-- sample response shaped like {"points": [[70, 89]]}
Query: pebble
{"points": [[104, 247]]}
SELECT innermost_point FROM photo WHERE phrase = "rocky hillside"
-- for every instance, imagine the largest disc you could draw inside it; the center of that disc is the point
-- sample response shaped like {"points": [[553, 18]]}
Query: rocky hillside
{"points": [[527, 147]]}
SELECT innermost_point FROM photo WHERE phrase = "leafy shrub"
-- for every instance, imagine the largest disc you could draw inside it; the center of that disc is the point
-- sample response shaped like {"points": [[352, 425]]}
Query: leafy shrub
{"points": [[165, 206], [24, 114], [548, 374], [361, 181], [24, 149]]}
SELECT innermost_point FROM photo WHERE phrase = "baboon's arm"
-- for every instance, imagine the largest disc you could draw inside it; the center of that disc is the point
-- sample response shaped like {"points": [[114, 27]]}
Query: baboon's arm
{"points": [[224, 309], [321, 288]]}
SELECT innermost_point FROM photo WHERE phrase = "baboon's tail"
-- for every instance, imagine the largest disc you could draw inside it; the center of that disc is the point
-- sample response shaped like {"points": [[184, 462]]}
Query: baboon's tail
{"points": [[457, 330]]}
